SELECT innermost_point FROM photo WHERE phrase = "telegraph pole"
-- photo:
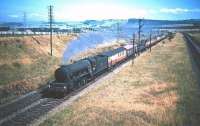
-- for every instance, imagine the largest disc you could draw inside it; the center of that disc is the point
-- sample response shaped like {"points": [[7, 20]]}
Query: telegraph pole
{"points": [[140, 25], [150, 40], [118, 31], [133, 42], [24, 19], [50, 26]]}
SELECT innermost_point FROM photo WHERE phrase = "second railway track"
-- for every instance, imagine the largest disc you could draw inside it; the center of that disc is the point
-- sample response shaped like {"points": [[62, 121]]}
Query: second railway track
{"points": [[30, 108]]}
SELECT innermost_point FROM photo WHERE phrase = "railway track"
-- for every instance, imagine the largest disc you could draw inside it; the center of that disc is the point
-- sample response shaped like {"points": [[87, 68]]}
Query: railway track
{"points": [[194, 49], [11, 107], [32, 107], [192, 44], [41, 107]]}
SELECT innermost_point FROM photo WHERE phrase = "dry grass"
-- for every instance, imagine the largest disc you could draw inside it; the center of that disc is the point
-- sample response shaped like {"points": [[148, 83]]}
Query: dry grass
{"points": [[38, 44], [160, 89], [25, 63], [196, 36]]}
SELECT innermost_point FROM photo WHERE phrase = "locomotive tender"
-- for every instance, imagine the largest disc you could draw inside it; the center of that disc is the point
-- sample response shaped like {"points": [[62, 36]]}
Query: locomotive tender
{"points": [[73, 76]]}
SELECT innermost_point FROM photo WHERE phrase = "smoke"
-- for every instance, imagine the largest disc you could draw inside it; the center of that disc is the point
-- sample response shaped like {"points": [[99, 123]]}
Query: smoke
{"points": [[86, 41], [92, 39]]}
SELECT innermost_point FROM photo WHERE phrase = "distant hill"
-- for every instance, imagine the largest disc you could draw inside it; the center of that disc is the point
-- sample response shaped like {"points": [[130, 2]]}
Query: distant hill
{"points": [[11, 24], [165, 22], [103, 23]]}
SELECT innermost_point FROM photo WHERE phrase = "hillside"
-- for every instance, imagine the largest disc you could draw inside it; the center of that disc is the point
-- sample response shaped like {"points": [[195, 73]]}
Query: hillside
{"points": [[25, 63], [165, 22], [160, 89]]}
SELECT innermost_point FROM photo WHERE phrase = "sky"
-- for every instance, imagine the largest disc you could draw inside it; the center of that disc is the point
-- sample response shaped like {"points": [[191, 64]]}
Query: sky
{"points": [[78, 10]]}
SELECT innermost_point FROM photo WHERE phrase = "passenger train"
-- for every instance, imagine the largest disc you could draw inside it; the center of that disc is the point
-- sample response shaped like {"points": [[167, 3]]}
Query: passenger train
{"points": [[73, 76]]}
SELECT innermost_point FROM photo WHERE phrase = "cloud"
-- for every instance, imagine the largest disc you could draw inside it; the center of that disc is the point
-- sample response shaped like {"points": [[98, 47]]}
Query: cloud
{"points": [[100, 11], [37, 15], [178, 10], [196, 10], [103, 11], [13, 16]]}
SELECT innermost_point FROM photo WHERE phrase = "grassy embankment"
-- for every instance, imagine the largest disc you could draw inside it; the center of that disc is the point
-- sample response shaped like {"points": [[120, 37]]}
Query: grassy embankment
{"points": [[196, 38], [160, 89], [25, 63]]}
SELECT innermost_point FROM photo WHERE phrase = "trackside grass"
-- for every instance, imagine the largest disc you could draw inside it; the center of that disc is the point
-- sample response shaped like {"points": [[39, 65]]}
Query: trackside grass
{"points": [[25, 63], [160, 89]]}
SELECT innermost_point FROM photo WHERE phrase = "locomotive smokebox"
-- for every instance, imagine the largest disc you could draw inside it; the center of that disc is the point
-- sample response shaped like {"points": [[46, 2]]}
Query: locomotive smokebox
{"points": [[61, 74]]}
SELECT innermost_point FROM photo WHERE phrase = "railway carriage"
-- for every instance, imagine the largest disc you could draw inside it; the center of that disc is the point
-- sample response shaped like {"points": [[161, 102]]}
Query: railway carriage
{"points": [[115, 56], [129, 49]]}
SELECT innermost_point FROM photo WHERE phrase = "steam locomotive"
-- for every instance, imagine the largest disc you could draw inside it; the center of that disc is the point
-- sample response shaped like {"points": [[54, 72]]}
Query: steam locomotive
{"points": [[73, 76]]}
